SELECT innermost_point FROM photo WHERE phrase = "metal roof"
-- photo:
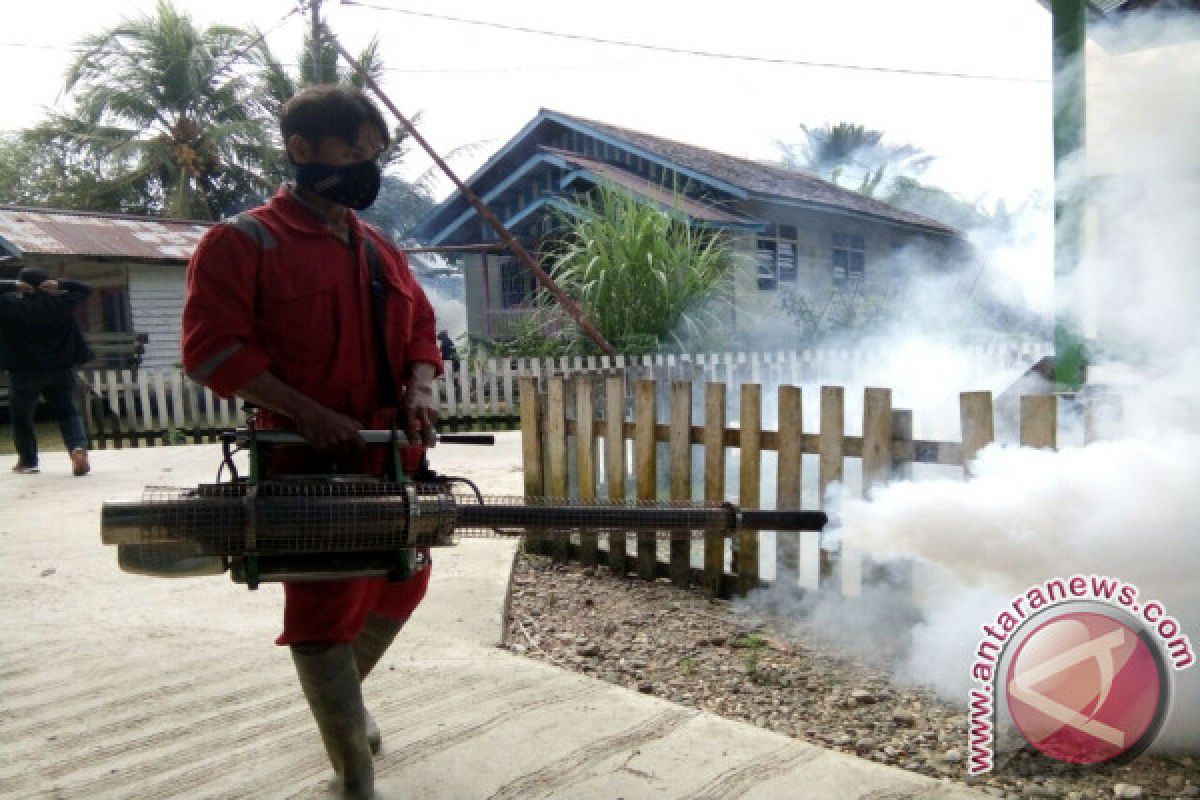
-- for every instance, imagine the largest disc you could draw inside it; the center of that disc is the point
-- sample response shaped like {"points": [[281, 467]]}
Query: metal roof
{"points": [[769, 180], [87, 234], [649, 190]]}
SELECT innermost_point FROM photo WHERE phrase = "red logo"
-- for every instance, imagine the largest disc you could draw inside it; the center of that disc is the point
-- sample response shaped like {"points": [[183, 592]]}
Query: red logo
{"points": [[1085, 688]]}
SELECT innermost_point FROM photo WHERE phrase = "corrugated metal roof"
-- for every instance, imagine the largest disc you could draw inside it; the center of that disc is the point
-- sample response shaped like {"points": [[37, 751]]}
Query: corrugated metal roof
{"points": [[766, 179], [648, 189], [53, 232]]}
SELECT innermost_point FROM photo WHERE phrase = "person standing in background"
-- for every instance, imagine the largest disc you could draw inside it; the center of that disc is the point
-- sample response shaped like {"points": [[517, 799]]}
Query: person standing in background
{"points": [[41, 345]]}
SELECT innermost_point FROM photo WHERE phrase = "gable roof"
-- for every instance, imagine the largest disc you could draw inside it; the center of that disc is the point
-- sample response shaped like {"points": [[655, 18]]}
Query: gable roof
{"points": [[100, 236], [764, 179], [727, 175], [597, 171]]}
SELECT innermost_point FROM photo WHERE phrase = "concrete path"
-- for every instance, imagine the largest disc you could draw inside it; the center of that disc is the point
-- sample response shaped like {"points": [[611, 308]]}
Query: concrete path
{"points": [[119, 686]]}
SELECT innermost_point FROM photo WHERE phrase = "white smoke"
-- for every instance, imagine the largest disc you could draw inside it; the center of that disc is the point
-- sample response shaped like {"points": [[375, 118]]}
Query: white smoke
{"points": [[1127, 507]]}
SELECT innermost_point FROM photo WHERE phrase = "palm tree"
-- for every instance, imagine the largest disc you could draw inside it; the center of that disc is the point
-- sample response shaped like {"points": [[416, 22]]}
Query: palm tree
{"points": [[180, 117], [855, 153]]}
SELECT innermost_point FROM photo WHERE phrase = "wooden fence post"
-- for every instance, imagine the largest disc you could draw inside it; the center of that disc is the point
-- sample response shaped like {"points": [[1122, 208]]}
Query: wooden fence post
{"points": [[877, 438], [902, 433], [614, 462], [681, 476], [978, 425], [1039, 420], [750, 483], [531, 452], [789, 479], [714, 481], [556, 456], [832, 456], [645, 452], [585, 460]]}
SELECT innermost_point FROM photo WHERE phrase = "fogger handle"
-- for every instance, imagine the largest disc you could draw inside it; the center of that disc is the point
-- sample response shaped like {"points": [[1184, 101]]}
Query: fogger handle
{"points": [[241, 437]]}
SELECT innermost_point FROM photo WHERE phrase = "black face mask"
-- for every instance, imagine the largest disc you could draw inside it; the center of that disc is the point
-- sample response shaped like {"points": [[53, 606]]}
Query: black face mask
{"points": [[351, 185]]}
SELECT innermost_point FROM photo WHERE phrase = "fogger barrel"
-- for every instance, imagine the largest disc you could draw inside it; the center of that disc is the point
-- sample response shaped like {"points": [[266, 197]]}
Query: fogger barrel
{"points": [[317, 527], [283, 517]]}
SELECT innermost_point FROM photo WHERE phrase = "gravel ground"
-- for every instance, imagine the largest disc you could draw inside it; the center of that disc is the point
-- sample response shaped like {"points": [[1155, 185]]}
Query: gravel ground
{"points": [[708, 654]]}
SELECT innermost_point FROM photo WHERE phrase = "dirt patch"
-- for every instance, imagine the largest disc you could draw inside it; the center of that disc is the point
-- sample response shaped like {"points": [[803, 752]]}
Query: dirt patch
{"points": [[705, 653]]}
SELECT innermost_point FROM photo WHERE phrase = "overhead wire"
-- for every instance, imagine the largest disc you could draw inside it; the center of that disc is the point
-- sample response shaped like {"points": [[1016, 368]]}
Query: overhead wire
{"points": [[683, 51]]}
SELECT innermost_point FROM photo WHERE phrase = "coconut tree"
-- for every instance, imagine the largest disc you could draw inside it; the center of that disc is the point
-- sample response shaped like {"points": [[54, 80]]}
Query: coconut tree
{"points": [[179, 116], [855, 156]]}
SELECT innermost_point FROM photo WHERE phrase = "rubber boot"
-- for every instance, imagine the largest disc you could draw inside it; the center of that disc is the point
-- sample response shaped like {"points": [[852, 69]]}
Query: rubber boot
{"points": [[331, 684], [369, 646]]}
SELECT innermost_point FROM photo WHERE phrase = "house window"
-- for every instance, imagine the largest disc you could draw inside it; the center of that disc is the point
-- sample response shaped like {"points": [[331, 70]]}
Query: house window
{"points": [[849, 259], [114, 310], [516, 284], [776, 257]]}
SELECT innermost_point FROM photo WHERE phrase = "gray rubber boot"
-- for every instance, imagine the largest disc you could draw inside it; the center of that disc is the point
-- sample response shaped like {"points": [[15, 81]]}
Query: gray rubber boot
{"points": [[331, 684], [369, 646]]}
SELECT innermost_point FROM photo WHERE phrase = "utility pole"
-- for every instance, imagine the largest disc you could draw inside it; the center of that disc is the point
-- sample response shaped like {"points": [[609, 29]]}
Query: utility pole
{"points": [[318, 72], [1069, 26]]}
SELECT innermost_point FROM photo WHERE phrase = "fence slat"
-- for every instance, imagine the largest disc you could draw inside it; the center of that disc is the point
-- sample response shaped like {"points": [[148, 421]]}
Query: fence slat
{"points": [[1039, 420], [614, 462], [645, 452], [831, 459], [494, 389], [160, 397], [464, 386], [556, 454], [978, 426], [128, 391], [143, 386], [177, 407], [714, 481], [531, 441], [877, 438], [585, 460], [114, 403], [789, 483], [680, 461], [750, 482], [451, 394], [85, 393]]}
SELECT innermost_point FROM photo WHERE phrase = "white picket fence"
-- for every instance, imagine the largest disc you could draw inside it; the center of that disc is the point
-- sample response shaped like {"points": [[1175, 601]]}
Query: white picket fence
{"points": [[157, 402]]}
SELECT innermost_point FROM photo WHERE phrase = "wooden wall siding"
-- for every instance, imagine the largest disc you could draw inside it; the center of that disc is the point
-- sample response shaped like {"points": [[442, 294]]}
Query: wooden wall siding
{"points": [[155, 300], [886, 449]]}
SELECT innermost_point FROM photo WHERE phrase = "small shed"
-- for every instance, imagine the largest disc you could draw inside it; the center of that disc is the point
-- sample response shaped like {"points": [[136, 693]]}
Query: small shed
{"points": [[136, 265]]}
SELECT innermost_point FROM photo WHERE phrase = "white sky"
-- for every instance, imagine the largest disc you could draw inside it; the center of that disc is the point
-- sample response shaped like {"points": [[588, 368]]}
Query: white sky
{"points": [[992, 138]]}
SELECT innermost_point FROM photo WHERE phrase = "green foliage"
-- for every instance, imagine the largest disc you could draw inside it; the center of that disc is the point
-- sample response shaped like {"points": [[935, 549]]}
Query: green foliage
{"points": [[855, 156], [166, 118], [749, 641], [645, 277], [399, 207], [847, 313]]}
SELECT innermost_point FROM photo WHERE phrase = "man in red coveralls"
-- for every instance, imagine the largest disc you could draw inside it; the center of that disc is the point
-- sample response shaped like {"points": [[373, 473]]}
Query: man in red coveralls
{"points": [[281, 310]]}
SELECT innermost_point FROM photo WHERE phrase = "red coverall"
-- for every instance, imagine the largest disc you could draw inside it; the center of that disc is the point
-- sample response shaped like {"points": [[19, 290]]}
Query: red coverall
{"points": [[281, 292]]}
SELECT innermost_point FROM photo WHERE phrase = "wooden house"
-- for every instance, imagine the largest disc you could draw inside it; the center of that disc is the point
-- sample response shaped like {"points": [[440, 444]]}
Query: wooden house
{"points": [[790, 230], [135, 264]]}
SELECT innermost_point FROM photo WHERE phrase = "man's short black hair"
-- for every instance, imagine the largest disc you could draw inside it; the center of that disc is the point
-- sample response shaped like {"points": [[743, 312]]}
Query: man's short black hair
{"points": [[33, 276], [327, 110]]}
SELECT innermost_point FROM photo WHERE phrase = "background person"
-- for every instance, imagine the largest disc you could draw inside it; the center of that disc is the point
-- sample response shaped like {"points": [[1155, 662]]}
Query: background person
{"points": [[42, 343]]}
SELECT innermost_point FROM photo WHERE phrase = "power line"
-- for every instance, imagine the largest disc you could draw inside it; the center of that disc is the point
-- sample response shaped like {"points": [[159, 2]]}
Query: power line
{"points": [[541, 67], [690, 52]]}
